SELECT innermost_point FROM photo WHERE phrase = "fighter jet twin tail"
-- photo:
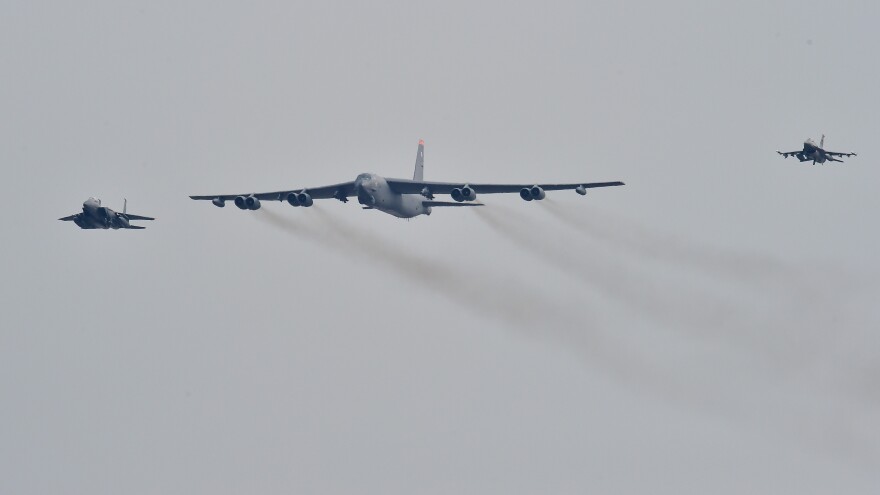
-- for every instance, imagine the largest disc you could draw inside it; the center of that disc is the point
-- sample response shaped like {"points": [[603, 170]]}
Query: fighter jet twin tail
{"points": [[95, 216]]}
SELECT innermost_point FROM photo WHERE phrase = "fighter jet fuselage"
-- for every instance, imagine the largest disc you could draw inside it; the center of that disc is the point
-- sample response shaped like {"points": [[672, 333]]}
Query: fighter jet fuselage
{"points": [[95, 216], [816, 153]]}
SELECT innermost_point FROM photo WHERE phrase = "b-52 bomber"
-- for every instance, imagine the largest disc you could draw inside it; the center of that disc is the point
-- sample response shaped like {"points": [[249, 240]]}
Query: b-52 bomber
{"points": [[402, 198], [95, 216], [815, 153]]}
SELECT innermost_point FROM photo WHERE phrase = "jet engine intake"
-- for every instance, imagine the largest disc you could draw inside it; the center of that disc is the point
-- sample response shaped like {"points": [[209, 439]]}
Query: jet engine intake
{"points": [[219, 202], [581, 190], [525, 193], [468, 193], [252, 203], [537, 193], [304, 199], [240, 202], [293, 199], [465, 193]]}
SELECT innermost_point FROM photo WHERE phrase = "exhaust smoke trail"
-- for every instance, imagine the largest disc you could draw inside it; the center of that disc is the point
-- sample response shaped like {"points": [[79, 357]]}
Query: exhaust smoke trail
{"points": [[626, 234], [789, 330], [489, 295], [749, 328], [811, 298], [608, 277], [534, 317]]}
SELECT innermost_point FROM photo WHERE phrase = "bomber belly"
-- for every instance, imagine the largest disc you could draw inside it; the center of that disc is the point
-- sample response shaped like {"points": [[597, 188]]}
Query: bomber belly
{"points": [[400, 206], [375, 193]]}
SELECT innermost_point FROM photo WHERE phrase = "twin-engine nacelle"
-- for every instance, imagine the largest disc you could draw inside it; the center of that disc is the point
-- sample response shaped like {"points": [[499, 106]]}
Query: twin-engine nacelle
{"points": [[299, 199], [530, 193], [465, 193], [247, 202]]}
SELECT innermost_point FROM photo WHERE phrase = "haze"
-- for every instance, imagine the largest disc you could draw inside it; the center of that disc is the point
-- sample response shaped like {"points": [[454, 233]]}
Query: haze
{"points": [[709, 327]]}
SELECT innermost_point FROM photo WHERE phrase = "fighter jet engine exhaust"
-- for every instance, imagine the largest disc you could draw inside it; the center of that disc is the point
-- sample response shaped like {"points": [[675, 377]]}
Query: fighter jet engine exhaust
{"points": [[465, 193]]}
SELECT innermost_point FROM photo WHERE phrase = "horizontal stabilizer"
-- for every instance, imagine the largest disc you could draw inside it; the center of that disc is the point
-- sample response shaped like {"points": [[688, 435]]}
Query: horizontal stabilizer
{"points": [[70, 218], [449, 203], [135, 227], [137, 217]]}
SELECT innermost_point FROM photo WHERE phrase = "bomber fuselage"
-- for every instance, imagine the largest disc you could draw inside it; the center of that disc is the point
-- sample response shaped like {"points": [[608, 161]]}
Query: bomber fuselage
{"points": [[374, 192]]}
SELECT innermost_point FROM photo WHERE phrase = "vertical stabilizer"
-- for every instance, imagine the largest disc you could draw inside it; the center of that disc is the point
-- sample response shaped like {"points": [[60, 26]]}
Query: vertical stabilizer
{"points": [[124, 206], [822, 142], [419, 173]]}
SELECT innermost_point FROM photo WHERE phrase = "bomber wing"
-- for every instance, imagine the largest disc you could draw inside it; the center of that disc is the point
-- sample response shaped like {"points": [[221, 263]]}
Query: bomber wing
{"points": [[337, 191], [404, 186]]}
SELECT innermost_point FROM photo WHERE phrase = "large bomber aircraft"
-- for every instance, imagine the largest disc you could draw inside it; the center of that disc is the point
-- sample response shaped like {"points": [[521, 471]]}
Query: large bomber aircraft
{"points": [[95, 216], [815, 153], [402, 198]]}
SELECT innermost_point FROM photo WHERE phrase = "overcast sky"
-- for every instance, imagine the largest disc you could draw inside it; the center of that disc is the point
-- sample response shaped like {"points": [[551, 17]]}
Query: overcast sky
{"points": [[709, 327]]}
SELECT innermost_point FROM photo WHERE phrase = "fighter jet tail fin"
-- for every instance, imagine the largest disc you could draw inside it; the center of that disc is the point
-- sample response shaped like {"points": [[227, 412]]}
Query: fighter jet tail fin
{"points": [[419, 173], [124, 206], [822, 141]]}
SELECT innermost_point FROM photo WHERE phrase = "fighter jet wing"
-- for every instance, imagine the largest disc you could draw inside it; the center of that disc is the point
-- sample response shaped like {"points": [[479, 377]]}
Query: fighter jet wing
{"points": [[837, 153], [788, 153], [69, 218], [337, 191], [137, 217], [404, 186]]}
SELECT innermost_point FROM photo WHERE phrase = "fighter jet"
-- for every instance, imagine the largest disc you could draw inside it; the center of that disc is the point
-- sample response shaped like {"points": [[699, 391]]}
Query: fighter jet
{"points": [[815, 153], [95, 216], [402, 198]]}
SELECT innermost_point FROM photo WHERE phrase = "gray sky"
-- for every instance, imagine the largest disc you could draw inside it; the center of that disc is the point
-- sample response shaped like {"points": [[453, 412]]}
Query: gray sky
{"points": [[708, 327]]}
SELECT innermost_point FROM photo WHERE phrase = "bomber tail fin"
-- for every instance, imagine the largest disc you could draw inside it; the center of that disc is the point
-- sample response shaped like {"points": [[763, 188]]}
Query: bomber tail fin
{"points": [[419, 173]]}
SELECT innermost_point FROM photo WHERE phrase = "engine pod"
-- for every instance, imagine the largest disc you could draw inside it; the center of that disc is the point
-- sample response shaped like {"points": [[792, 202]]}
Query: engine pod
{"points": [[252, 203], [304, 199], [537, 193]]}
